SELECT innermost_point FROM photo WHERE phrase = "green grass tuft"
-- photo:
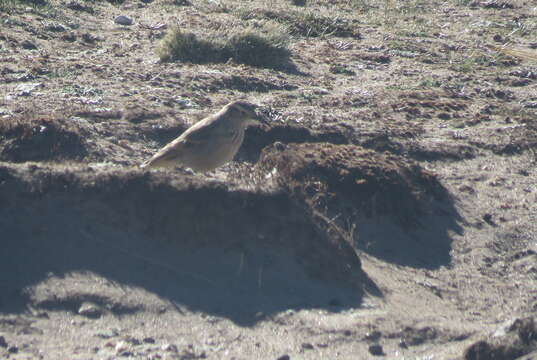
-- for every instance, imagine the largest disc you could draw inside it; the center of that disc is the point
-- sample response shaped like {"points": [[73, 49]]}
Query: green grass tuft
{"points": [[187, 47], [249, 46]]}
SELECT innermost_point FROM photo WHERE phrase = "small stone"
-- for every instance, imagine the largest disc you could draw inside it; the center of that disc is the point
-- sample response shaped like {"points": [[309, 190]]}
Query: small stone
{"points": [[108, 334], [373, 335], [55, 27], [307, 346], [90, 310], [170, 348], [27, 44], [3, 342], [488, 219], [284, 357], [27, 89], [376, 350], [132, 340], [89, 38], [149, 340], [121, 347], [69, 37], [123, 20], [12, 349]]}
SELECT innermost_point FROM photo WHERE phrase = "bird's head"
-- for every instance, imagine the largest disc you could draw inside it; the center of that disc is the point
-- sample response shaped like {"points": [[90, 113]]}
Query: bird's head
{"points": [[246, 112]]}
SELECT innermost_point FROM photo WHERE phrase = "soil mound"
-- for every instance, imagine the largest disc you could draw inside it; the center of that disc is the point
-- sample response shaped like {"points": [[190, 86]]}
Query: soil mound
{"points": [[58, 212], [39, 140], [355, 189]]}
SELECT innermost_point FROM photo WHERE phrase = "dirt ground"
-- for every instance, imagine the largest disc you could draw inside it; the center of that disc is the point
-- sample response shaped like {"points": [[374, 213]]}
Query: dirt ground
{"points": [[388, 210]]}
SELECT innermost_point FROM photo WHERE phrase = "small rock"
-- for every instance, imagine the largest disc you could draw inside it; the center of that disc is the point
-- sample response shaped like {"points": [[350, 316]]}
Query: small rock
{"points": [[123, 20], [149, 340], [413, 337], [27, 89], [108, 334], [132, 340], [55, 27], [90, 310], [12, 349], [27, 44], [376, 350], [121, 347], [69, 37], [307, 346], [373, 335], [89, 38], [170, 348], [284, 357], [74, 5], [488, 219], [3, 342]]}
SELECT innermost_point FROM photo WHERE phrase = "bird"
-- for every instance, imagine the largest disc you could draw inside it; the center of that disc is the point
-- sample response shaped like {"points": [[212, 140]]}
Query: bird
{"points": [[211, 142]]}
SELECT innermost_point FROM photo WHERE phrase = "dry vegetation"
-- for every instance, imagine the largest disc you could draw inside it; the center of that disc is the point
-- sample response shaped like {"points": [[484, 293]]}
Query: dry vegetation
{"points": [[400, 157]]}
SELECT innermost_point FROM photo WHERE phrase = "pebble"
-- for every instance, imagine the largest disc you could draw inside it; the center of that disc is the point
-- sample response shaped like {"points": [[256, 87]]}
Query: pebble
{"points": [[90, 310], [27, 44], [27, 89], [376, 350], [170, 348], [123, 20]]}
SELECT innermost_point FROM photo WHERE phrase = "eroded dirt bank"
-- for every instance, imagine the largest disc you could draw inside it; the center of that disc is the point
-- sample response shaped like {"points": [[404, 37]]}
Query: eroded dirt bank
{"points": [[387, 210]]}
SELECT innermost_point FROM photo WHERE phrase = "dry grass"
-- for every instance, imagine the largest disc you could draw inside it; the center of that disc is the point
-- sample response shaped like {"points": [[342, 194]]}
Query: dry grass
{"points": [[303, 23], [247, 46]]}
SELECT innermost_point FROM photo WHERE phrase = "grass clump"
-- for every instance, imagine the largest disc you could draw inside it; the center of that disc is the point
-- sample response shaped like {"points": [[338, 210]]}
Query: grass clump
{"points": [[187, 47], [306, 24], [249, 46], [9, 6], [256, 49]]}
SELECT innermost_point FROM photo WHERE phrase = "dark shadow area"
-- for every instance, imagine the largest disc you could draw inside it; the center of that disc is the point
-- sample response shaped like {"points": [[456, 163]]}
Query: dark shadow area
{"points": [[35, 139], [252, 84], [387, 205], [257, 138], [239, 254]]}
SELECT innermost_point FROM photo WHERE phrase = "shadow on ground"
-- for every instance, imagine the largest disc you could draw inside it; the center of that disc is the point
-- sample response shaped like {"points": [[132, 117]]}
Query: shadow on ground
{"points": [[386, 205], [239, 254]]}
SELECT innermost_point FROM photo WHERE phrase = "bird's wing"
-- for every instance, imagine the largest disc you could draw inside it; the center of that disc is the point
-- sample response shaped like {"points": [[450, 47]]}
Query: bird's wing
{"points": [[206, 130], [168, 152], [198, 134]]}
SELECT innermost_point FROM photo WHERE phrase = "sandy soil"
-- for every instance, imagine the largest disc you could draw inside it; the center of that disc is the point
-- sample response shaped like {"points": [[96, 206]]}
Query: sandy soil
{"points": [[395, 217]]}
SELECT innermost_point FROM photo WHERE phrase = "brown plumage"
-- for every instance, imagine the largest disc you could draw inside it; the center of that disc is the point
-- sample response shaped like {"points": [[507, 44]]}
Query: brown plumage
{"points": [[209, 143]]}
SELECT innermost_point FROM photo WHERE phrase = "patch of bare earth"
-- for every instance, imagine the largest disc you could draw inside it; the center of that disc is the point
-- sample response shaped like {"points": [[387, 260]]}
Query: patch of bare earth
{"points": [[387, 210]]}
